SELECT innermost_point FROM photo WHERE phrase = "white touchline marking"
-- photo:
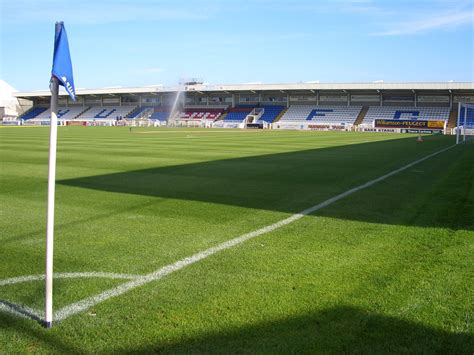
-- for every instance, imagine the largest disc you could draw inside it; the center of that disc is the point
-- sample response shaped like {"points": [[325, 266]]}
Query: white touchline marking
{"points": [[27, 312], [166, 270], [21, 311], [68, 275]]}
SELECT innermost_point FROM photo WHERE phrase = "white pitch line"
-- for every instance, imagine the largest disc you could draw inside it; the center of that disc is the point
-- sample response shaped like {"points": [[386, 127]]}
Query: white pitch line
{"points": [[27, 312], [68, 275], [166, 270], [21, 311]]}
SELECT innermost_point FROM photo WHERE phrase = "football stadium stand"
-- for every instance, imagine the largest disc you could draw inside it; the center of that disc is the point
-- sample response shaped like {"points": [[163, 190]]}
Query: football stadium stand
{"points": [[406, 113], [65, 113], [270, 113], [238, 114], [33, 113], [201, 114], [107, 113], [140, 112], [160, 113], [307, 106], [322, 114]]}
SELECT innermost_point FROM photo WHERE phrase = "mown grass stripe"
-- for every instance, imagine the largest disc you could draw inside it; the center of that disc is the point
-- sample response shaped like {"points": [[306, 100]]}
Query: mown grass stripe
{"points": [[87, 303]]}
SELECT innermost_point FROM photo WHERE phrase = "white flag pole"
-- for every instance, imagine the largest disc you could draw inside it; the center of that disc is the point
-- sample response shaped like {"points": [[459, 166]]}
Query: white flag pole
{"points": [[53, 136]]}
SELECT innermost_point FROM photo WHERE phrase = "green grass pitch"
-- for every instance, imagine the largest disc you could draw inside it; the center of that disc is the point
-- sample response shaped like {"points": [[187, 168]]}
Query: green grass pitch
{"points": [[388, 269]]}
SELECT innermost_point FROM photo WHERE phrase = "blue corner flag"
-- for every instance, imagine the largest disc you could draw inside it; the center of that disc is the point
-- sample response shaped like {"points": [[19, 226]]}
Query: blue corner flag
{"points": [[62, 67]]}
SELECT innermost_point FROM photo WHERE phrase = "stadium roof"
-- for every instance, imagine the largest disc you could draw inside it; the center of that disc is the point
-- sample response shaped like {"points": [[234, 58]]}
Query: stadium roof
{"points": [[292, 87]]}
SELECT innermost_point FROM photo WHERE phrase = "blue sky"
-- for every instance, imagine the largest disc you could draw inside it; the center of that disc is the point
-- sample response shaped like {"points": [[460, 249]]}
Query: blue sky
{"points": [[141, 42]]}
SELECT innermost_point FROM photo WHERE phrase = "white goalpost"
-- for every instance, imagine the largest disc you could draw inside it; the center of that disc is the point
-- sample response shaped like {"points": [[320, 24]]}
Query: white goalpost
{"points": [[465, 122]]}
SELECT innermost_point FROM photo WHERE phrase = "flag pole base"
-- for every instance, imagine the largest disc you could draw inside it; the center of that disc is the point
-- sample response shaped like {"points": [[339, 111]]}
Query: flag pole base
{"points": [[48, 325]]}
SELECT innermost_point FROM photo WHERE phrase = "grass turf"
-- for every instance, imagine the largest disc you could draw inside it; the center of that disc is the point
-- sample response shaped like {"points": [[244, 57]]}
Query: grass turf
{"points": [[388, 269]]}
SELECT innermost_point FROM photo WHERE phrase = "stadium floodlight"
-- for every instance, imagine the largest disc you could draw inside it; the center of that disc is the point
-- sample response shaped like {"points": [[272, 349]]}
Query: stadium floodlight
{"points": [[465, 122], [61, 74]]}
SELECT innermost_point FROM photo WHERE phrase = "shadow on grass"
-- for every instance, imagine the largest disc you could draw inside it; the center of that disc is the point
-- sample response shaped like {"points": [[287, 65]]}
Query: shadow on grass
{"points": [[335, 330], [31, 337], [21, 311], [291, 182], [341, 329]]}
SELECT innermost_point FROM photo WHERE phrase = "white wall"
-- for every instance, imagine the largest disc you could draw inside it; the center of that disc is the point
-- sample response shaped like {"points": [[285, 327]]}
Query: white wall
{"points": [[8, 102]]}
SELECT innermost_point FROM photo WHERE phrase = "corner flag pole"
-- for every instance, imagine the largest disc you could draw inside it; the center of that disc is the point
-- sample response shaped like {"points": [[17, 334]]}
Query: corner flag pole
{"points": [[61, 74], [53, 137], [51, 193]]}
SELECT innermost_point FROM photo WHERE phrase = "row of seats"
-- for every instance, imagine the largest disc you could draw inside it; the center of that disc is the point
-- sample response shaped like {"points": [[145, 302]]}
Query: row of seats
{"points": [[406, 113], [238, 114], [270, 113], [160, 113], [150, 112], [66, 113], [322, 114], [296, 113], [88, 113], [110, 112], [201, 114], [466, 117], [137, 112], [34, 112]]}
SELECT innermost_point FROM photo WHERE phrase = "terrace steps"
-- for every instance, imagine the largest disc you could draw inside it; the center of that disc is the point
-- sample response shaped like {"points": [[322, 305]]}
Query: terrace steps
{"points": [[221, 117], [33, 112], [453, 118], [361, 115], [82, 112], [280, 115], [135, 112]]}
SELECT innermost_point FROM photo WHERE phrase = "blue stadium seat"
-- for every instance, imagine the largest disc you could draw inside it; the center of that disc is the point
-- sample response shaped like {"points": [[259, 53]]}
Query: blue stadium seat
{"points": [[468, 115], [271, 112], [407, 115], [160, 115], [321, 112], [135, 113], [35, 111], [61, 113], [326, 115], [105, 113], [238, 113]]}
